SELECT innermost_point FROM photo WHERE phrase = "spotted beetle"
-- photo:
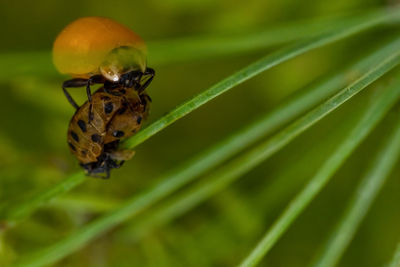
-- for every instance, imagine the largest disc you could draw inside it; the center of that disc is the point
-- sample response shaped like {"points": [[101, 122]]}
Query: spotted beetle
{"points": [[116, 116]]}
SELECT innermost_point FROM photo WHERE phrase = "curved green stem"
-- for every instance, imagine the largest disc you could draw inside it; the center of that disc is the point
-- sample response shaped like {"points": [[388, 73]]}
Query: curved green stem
{"points": [[280, 56], [362, 200], [370, 119], [354, 26], [244, 163], [396, 258]]}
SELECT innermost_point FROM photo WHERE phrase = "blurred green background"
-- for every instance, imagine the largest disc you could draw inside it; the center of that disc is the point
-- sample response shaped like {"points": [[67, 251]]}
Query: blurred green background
{"points": [[219, 232]]}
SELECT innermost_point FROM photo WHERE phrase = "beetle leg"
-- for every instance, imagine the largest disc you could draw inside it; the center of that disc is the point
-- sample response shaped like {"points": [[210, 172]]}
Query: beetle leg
{"points": [[145, 99], [73, 83], [107, 174], [70, 99], [148, 72], [121, 163], [90, 115], [92, 80], [131, 79], [138, 78]]}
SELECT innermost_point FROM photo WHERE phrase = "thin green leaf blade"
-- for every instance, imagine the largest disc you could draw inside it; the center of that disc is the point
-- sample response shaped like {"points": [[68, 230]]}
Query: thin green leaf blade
{"points": [[361, 201], [301, 201], [396, 258], [214, 156], [250, 159], [361, 23], [269, 61], [17, 212]]}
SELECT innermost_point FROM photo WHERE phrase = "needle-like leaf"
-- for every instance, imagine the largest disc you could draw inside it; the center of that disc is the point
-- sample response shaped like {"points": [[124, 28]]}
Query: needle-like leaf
{"points": [[301, 201], [351, 27], [362, 200], [230, 171]]}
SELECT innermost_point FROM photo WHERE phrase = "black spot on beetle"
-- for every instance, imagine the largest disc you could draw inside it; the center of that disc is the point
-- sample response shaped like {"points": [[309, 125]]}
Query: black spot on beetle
{"points": [[108, 107], [84, 152], [82, 125], [105, 98], [139, 119], [96, 138], [112, 146], [74, 136], [72, 146], [123, 109], [118, 134]]}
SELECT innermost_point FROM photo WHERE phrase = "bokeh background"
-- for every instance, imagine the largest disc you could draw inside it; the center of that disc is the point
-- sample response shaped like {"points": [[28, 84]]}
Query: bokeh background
{"points": [[219, 232]]}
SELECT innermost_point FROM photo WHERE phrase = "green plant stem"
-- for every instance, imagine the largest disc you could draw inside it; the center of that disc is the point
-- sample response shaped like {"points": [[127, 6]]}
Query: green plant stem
{"points": [[246, 162], [85, 203], [370, 119], [287, 111], [199, 193], [396, 258], [207, 47], [362, 200], [21, 210], [359, 24], [17, 212], [215, 155]]}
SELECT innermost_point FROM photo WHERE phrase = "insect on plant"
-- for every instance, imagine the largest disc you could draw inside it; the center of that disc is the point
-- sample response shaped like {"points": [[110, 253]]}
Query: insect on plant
{"points": [[117, 110], [95, 144], [97, 50]]}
